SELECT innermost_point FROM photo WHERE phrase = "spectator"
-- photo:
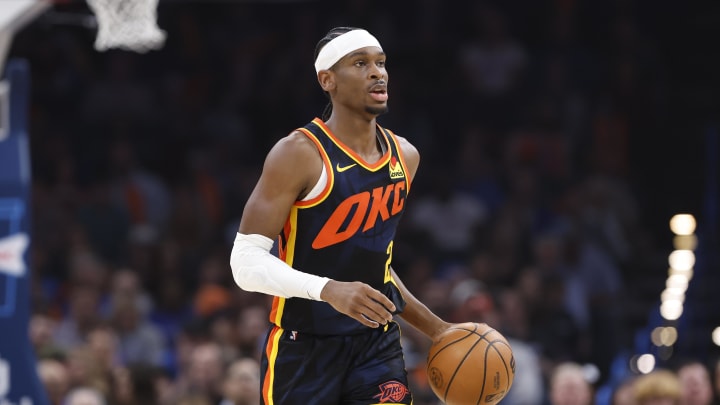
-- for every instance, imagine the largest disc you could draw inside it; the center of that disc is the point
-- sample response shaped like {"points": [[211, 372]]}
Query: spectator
{"points": [[172, 310], [194, 399], [103, 343], [85, 396], [695, 384], [81, 317], [86, 370], [716, 381], [659, 387], [492, 61], [569, 385], [139, 340], [125, 283], [251, 327], [241, 385], [141, 194], [55, 379], [624, 392], [529, 386], [204, 373], [41, 330], [449, 218]]}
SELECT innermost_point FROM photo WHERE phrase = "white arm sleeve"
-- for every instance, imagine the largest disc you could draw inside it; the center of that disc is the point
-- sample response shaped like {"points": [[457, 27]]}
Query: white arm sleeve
{"points": [[255, 269]]}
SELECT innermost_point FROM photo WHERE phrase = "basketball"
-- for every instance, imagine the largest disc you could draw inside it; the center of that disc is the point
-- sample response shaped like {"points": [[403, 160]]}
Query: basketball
{"points": [[470, 363]]}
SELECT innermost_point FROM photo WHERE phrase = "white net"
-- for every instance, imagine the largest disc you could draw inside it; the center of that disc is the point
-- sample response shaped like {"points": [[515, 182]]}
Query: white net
{"points": [[127, 24]]}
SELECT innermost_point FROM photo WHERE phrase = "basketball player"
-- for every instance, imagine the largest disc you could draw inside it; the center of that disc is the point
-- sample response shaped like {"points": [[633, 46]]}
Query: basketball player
{"points": [[334, 191]]}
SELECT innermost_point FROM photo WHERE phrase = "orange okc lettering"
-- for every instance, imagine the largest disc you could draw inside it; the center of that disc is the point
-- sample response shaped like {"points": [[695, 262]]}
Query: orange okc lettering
{"points": [[398, 202], [331, 233], [379, 206]]}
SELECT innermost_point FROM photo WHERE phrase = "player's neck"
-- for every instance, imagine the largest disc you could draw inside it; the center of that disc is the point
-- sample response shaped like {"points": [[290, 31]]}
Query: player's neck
{"points": [[357, 132]]}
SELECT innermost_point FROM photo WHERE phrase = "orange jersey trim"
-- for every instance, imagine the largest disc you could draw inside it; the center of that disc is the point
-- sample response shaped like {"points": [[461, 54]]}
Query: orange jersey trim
{"points": [[328, 169], [271, 350], [369, 166], [287, 254]]}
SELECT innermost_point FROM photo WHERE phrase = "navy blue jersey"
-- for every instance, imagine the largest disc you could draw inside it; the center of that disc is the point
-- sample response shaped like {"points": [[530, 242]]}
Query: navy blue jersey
{"points": [[346, 232]]}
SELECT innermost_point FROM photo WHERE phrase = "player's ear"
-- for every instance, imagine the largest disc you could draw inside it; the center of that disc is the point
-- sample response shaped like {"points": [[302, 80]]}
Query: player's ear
{"points": [[326, 80]]}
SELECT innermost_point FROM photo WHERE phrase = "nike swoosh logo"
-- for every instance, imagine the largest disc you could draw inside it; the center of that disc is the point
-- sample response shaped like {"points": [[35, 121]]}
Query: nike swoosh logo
{"points": [[343, 168]]}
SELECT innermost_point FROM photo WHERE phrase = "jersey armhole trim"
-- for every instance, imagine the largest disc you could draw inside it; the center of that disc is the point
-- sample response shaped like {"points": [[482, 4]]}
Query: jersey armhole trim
{"points": [[318, 193]]}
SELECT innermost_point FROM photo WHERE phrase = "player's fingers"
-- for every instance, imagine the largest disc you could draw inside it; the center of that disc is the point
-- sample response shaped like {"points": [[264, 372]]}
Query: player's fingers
{"points": [[381, 299], [367, 321], [378, 312]]}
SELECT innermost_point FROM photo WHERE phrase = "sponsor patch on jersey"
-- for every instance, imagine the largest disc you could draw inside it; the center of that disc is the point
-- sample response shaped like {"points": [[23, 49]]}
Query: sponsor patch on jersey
{"points": [[391, 391], [396, 170]]}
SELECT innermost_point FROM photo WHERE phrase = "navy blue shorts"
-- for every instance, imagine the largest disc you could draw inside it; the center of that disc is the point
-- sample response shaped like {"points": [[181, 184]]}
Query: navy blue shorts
{"points": [[362, 369]]}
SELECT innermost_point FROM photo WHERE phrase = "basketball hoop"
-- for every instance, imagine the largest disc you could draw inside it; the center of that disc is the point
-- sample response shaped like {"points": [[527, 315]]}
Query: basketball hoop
{"points": [[127, 24]]}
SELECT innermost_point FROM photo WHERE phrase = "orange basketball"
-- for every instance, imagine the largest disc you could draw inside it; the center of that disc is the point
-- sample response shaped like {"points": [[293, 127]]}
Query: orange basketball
{"points": [[471, 364]]}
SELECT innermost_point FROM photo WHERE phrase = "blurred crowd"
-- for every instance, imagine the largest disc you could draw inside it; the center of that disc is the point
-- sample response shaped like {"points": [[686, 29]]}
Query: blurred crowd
{"points": [[525, 214]]}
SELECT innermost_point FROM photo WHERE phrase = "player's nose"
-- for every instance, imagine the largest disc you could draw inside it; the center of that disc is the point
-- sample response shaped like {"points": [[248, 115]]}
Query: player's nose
{"points": [[377, 72]]}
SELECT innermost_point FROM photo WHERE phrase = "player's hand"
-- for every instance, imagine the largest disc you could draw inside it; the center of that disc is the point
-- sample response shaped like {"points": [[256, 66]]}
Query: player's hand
{"points": [[440, 330], [359, 301]]}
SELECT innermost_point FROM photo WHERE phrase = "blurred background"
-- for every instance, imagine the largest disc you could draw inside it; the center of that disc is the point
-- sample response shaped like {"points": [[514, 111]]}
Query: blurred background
{"points": [[558, 139]]}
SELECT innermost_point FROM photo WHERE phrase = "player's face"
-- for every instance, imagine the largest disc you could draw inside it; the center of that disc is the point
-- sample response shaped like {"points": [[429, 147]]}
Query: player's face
{"points": [[361, 80]]}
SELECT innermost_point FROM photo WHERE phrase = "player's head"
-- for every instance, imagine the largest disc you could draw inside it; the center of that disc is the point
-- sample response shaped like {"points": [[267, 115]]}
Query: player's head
{"points": [[350, 65]]}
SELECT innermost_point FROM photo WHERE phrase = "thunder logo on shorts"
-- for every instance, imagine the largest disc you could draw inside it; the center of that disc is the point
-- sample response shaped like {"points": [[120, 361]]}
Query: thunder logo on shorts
{"points": [[346, 232]]}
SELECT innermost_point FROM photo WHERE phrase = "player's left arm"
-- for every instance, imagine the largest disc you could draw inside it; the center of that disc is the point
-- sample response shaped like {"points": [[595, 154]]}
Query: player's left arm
{"points": [[418, 314], [411, 156]]}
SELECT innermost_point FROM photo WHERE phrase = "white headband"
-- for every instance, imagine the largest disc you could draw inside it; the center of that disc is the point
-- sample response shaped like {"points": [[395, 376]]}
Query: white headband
{"points": [[342, 45]]}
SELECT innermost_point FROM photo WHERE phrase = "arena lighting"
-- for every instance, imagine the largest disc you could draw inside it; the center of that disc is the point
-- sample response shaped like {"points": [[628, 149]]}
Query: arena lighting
{"points": [[682, 259], [668, 336], [685, 242], [677, 281], [687, 273], [683, 224], [646, 363], [681, 263], [672, 294], [655, 336], [716, 336], [671, 310], [664, 336]]}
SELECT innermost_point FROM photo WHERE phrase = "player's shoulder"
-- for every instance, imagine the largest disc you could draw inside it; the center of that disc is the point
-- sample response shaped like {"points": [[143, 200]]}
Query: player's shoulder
{"points": [[405, 145], [293, 155], [293, 162], [408, 151], [296, 143]]}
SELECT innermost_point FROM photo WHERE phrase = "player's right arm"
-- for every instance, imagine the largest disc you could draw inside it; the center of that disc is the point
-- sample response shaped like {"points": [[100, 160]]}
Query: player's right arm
{"points": [[291, 169]]}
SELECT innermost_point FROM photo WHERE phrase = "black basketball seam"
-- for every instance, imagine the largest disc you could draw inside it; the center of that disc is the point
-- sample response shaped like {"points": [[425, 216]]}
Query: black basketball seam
{"points": [[451, 343], [491, 344], [460, 365], [504, 362], [448, 345]]}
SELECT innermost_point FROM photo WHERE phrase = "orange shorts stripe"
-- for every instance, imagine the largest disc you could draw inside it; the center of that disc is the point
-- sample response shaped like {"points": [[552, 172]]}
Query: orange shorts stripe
{"points": [[271, 350]]}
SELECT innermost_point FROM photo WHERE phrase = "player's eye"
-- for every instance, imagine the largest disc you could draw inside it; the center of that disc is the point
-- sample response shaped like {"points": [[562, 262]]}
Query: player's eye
{"points": [[359, 63], [380, 63]]}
